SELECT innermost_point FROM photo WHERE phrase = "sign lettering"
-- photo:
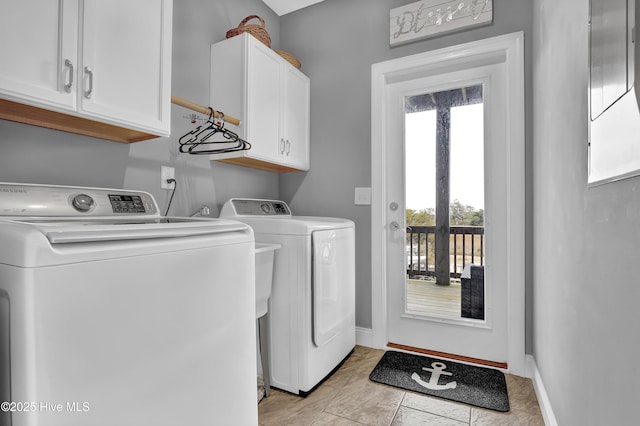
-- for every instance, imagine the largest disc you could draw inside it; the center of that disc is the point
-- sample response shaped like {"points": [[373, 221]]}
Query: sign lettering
{"points": [[429, 18]]}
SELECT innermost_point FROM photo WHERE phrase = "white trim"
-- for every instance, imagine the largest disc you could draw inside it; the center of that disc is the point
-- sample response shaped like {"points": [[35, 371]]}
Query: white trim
{"points": [[541, 393], [512, 47], [378, 195], [516, 204], [364, 337]]}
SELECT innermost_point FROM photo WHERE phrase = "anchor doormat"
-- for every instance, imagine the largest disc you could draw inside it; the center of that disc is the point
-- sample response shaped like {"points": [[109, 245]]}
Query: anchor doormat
{"points": [[482, 387]]}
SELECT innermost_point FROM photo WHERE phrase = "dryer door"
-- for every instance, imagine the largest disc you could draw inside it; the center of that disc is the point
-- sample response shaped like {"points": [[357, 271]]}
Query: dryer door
{"points": [[333, 295]]}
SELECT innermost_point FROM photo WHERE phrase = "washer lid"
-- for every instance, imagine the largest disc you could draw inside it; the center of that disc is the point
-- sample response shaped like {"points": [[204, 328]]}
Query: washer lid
{"points": [[35, 243], [61, 230]]}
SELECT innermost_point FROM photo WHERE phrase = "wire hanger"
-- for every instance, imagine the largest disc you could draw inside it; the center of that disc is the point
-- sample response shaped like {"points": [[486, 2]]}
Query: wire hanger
{"points": [[203, 139]]}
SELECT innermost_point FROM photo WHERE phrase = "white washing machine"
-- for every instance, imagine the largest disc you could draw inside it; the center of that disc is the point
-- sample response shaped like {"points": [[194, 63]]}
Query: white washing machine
{"points": [[312, 305], [113, 315]]}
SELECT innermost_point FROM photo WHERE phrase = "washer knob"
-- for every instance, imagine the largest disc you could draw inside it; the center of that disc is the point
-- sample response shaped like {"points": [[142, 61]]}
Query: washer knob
{"points": [[82, 202], [265, 208]]}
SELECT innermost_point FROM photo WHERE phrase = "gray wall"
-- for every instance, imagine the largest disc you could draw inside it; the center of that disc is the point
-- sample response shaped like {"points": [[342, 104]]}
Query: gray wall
{"points": [[37, 155], [337, 41], [586, 290]]}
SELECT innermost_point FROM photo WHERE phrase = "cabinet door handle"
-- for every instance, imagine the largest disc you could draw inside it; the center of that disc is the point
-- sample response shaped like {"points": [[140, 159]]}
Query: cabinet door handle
{"points": [[282, 145], [89, 72], [69, 64], [288, 147]]}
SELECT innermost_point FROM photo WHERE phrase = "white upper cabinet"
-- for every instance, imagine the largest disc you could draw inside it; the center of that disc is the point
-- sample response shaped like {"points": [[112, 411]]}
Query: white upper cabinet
{"points": [[271, 98], [88, 61]]}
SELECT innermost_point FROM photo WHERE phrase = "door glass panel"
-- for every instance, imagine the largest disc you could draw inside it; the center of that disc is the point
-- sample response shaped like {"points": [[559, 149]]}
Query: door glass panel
{"points": [[444, 201]]}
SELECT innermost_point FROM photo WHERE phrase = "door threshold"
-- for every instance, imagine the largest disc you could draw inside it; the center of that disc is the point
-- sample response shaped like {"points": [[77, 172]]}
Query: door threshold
{"points": [[502, 365]]}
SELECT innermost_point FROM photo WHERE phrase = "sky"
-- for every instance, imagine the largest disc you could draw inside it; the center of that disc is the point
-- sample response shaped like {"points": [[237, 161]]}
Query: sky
{"points": [[467, 157]]}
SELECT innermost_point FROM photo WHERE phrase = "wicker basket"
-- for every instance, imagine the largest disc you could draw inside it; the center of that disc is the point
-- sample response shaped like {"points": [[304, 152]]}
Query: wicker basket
{"points": [[290, 58], [258, 31]]}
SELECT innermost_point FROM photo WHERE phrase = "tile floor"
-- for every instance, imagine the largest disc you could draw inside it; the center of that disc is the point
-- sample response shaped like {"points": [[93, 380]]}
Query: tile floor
{"points": [[348, 397]]}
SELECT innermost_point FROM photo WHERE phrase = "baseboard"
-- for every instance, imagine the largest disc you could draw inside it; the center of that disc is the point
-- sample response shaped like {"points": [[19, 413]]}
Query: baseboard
{"points": [[364, 337], [541, 392]]}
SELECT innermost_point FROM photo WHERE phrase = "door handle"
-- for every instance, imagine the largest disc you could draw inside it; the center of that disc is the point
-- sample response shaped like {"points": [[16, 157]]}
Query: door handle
{"points": [[394, 226], [69, 85], [89, 72]]}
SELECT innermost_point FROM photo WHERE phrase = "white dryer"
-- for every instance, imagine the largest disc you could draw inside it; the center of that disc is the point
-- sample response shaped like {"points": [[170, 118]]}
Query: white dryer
{"points": [[312, 305]]}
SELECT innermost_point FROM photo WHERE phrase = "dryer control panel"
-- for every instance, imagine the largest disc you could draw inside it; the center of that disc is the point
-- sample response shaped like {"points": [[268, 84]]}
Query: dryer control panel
{"points": [[254, 207]]}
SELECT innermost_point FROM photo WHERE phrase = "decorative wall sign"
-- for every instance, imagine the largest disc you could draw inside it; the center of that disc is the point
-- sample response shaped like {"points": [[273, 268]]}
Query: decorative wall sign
{"points": [[428, 18]]}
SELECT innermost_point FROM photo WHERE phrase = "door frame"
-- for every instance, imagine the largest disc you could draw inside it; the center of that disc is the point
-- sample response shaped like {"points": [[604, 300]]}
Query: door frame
{"points": [[511, 48]]}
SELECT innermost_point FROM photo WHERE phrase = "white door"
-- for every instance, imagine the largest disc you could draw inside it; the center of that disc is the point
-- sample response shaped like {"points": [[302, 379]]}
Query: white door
{"points": [[39, 52], [295, 117], [263, 102], [498, 334], [126, 63]]}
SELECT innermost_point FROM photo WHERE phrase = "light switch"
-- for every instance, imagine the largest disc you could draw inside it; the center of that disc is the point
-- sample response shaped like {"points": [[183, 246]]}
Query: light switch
{"points": [[363, 196]]}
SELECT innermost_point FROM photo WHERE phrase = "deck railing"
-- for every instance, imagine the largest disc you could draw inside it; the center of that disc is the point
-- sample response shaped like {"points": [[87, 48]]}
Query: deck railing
{"points": [[466, 245]]}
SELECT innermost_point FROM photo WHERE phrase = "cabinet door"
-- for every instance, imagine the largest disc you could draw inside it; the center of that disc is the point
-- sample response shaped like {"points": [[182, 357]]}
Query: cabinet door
{"points": [[39, 52], [295, 118], [263, 102], [126, 63]]}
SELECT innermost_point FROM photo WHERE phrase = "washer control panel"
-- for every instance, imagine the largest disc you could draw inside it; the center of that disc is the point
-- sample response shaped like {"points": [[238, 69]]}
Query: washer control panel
{"points": [[18, 199], [125, 203], [255, 207]]}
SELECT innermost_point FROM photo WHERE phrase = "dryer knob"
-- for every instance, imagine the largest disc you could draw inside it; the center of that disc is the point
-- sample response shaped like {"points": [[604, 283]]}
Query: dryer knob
{"points": [[82, 202]]}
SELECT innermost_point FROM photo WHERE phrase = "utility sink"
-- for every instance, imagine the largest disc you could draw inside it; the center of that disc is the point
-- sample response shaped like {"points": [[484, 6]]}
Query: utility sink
{"points": [[264, 275]]}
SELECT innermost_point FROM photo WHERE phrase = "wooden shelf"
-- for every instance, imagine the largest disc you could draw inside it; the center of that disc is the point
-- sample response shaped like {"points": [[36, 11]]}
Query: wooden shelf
{"points": [[258, 164], [27, 114]]}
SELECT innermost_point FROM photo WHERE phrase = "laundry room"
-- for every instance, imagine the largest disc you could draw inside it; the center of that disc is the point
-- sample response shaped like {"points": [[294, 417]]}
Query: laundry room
{"points": [[179, 129]]}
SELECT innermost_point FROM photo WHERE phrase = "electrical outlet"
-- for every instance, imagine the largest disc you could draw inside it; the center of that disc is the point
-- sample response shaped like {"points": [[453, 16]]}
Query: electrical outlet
{"points": [[167, 172]]}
